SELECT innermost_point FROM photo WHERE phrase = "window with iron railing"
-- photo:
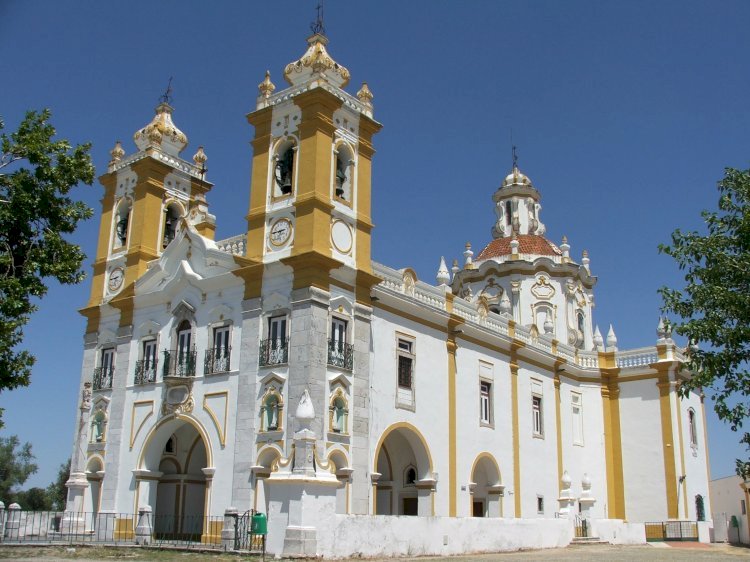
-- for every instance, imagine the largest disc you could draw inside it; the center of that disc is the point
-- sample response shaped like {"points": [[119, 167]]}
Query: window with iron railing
{"points": [[273, 352], [179, 363], [103, 374], [145, 368], [216, 360], [340, 354]]}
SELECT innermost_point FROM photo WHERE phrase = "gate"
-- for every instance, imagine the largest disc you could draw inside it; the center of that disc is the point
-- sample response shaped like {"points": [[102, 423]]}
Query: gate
{"points": [[244, 539], [671, 531], [582, 527]]}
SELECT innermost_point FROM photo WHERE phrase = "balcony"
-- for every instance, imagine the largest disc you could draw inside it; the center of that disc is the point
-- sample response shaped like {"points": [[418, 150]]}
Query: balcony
{"points": [[340, 354], [145, 371], [273, 352], [179, 364], [216, 360], [103, 377]]}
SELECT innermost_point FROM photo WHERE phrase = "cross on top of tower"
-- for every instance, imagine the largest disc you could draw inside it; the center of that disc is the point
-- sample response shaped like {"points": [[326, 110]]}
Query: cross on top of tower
{"points": [[317, 26], [166, 97]]}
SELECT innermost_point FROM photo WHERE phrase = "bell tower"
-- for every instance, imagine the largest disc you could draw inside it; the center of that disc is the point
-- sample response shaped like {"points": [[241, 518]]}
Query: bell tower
{"points": [[147, 196], [310, 200]]}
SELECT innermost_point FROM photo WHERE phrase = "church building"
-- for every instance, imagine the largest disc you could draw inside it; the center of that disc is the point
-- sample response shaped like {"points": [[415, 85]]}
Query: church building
{"points": [[488, 392]]}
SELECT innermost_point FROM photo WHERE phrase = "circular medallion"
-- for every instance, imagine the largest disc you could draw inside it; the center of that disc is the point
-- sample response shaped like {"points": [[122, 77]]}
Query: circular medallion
{"points": [[280, 232], [116, 277], [341, 236]]}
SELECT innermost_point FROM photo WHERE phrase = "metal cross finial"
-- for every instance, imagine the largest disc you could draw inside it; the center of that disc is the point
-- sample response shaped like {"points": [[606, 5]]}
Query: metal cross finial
{"points": [[515, 158], [166, 97], [317, 25]]}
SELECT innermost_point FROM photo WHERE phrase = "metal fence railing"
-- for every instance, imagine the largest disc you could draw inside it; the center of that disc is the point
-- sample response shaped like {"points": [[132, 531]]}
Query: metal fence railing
{"points": [[65, 527], [671, 531]]}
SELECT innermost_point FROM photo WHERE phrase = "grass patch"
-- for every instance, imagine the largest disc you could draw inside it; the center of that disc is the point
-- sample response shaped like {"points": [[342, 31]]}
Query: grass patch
{"points": [[114, 553]]}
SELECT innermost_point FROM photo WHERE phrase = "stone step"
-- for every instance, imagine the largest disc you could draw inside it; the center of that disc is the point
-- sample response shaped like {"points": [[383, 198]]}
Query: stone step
{"points": [[587, 540]]}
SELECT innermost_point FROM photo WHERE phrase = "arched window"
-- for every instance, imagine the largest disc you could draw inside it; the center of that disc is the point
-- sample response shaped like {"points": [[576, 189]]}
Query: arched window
{"points": [[283, 171], [692, 429], [172, 216], [98, 427], [410, 476], [508, 212], [580, 321], [700, 510]]}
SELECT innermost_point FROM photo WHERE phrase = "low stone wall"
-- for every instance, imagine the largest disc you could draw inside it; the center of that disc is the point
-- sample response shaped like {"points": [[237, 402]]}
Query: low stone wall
{"points": [[385, 536], [617, 531]]}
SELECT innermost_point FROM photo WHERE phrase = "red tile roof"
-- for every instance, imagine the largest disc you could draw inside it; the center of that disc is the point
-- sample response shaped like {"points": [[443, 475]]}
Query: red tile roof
{"points": [[527, 244]]}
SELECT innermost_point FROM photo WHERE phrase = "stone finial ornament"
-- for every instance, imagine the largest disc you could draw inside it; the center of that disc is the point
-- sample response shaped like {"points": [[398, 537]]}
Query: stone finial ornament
{"points": [[565, 248], [443, 276], [200, 157], [266, 88], [585, 261], [455, 269], [660, 331], [365, 95], [117, 153], [611, 339], [505, 307], [598, 340], [514, 244], [468, 255]]}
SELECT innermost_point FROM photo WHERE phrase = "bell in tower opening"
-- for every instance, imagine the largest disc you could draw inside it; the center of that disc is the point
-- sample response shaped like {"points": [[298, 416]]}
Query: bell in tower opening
{"points": [[284, 170]]}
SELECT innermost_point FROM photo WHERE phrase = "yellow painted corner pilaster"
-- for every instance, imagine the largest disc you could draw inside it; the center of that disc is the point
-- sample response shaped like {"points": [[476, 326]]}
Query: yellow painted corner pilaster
{"points": [[667, 435], [516, 437], [452, 348], [610, 392]]}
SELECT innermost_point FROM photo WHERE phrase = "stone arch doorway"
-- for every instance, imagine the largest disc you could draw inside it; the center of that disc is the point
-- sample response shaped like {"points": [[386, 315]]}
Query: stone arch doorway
{"points": [[94, 476], [486, 488], [175, 479], [405, 484]]}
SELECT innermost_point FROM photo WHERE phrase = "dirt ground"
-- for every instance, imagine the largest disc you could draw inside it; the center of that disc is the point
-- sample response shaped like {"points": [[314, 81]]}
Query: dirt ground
{"points": [[656, 552]]}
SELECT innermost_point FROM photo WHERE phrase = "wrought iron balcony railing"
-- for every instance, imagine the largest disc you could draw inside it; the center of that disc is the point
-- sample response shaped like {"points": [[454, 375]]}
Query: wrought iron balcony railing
{"points": [[103, 377], [216, 360], [179, 363], [340, 354], [145, 371], [273, 352]]}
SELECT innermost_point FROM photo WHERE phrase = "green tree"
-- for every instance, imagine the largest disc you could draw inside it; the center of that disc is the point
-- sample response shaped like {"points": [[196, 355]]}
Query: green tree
{"points": [[713, 309], [33, 499], [36, 176], [16, 465], [56, 491]]}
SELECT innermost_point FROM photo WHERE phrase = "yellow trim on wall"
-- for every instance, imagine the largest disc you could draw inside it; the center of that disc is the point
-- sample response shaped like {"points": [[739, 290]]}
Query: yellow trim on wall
{"points": [[610, 392], [221, 429], [667, 436], [451, 347], [516, 439]]}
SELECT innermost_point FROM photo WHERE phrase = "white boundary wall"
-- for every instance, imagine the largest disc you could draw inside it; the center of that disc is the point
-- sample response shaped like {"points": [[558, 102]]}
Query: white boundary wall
{"points": [[385, 536]]}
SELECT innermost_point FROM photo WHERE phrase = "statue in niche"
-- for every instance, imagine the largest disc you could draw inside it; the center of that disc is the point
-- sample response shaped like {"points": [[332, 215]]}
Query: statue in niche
{"points": [[283, 171]]}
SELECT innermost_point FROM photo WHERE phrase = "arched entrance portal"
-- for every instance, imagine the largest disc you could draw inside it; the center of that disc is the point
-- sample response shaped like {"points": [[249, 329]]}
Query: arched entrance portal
{"points": [[174, 481], [486, 488], [406, 483]]}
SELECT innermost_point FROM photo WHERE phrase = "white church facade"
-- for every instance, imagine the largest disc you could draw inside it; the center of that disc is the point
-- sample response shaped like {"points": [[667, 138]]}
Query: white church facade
{"points": [[489, 393]]}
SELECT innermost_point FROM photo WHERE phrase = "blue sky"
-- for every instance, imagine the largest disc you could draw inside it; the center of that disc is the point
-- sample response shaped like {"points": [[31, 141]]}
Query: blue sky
{"points": [[624, 113]]}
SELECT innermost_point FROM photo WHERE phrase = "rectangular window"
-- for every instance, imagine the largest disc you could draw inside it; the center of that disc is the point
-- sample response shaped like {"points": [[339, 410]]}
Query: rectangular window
{"points": [[536, 414], [221, 340], [405, 363], [576, 406], [485, 402], [149, 355], [338, 331], [744, 507], [108, 360], [277, 330], [540, 505]]}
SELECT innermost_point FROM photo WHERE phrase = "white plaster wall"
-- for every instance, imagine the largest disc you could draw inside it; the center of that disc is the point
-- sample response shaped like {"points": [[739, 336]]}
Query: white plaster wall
{"points": [[589, 457], [616, 531], [472, 438], [642, 453], [696, 469], [726, 501], [538, 455], [384, 536], [430, 380]]}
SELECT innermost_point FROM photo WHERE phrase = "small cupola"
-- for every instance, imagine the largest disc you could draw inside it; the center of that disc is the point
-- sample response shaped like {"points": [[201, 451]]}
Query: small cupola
{"points": [[316, 62], [161, 133]]}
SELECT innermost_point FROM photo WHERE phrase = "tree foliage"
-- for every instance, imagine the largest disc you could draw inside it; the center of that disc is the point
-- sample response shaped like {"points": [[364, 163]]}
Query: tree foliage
{"points": [[713, 309], [57, 493], [36, 212], [16, 465]]}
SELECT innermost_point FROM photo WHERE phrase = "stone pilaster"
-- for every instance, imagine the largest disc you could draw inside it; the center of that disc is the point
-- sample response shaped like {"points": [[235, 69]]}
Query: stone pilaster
{"points": [[361, 486]]}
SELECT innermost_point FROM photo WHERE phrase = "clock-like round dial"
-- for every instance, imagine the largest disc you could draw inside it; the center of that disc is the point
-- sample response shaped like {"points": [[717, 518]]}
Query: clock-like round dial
{"points": [[281, 231], [116, 277]]}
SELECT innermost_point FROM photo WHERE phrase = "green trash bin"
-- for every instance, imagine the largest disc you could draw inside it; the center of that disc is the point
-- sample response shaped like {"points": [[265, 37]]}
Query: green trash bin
{"points": [[259, 524]]}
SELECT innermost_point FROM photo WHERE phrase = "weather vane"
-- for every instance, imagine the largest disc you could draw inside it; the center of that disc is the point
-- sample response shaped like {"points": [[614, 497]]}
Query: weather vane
{"points": [[166, 97], [317, 25]]}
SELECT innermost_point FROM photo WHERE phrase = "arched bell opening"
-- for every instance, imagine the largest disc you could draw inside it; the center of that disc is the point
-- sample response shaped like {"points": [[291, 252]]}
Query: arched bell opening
{"points": [[122, 225], [284, 168], [343, 173], [172, 214]]}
